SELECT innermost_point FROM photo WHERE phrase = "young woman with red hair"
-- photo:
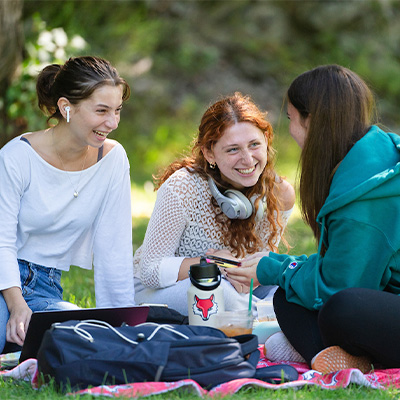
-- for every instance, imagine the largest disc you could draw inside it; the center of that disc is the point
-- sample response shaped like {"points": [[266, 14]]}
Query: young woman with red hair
{"points": [[232, 157]]}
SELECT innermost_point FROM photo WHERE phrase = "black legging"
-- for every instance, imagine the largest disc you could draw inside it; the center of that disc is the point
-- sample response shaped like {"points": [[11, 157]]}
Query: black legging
{"points": [[361, 321]]}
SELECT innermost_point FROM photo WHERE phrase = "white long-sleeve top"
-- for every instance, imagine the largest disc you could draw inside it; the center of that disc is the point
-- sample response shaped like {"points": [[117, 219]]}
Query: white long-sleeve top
{"points": [[183, 225], [42, 222]]}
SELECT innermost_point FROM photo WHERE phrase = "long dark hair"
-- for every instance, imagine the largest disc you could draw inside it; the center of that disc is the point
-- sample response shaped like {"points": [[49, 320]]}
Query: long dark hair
{"points": [[240, 235], [76, 80], [340, 107]]}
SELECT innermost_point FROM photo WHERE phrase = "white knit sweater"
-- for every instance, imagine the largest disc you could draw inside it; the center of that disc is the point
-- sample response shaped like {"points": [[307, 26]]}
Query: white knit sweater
{"points": [[183, 225], [42, 222]]}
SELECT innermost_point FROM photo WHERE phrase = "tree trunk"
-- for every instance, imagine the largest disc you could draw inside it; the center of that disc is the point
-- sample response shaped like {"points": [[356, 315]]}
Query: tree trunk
{"points": [[11, 47]]}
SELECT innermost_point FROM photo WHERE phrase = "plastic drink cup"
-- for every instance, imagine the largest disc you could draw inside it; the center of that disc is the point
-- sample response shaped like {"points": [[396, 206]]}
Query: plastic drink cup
{"points": [[266, 323], [263, 330], [265, 311], [234, 323]]}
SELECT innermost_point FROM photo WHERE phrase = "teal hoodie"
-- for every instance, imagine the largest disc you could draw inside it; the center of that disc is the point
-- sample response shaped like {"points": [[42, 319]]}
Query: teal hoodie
{"points": [[360, 227]]}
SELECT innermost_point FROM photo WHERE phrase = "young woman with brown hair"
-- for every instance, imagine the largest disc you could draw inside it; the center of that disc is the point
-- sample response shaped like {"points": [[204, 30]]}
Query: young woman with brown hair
{"points": [[338, 308], [65, 197], [232, 152]]}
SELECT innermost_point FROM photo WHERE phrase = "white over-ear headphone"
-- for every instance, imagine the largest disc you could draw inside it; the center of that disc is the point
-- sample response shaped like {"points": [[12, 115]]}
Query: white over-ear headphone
{"points": [[234, 204]]}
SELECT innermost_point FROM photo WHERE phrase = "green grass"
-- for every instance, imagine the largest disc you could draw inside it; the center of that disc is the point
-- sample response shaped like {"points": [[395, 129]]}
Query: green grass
{"points": [[17, 390]]}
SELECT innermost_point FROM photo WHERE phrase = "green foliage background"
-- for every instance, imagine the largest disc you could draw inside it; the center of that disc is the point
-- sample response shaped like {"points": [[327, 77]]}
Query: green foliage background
{"points": [[180, 56]]}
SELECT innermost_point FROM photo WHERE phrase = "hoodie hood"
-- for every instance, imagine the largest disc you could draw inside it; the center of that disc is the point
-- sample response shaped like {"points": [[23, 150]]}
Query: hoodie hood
{"points": [[367, 172]]}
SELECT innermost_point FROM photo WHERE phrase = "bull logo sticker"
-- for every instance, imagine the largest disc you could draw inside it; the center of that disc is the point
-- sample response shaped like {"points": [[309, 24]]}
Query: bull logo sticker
{"points": [[205, 307]]}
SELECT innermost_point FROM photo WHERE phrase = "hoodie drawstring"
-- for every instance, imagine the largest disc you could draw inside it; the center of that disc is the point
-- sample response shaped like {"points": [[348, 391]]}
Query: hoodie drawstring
{"points": [[318, 301]]}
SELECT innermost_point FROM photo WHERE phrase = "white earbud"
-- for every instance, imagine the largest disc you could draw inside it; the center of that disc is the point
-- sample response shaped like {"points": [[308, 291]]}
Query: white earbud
{"points": [[67, 111]]}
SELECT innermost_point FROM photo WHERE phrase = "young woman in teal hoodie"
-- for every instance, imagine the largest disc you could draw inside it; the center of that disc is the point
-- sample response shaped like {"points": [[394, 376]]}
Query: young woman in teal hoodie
{"points": [[338, 308]]}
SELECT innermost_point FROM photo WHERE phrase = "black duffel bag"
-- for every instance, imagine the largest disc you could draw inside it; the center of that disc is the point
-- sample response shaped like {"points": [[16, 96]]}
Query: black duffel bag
{"points": [[78, 354]]}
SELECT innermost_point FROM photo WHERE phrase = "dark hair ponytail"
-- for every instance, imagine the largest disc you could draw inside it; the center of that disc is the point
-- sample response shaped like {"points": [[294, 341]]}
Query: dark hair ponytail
{"points": [[46, 101]]}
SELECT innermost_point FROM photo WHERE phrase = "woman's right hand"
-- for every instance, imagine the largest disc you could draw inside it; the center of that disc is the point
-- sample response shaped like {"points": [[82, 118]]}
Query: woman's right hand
{"points": [[20, 315]]}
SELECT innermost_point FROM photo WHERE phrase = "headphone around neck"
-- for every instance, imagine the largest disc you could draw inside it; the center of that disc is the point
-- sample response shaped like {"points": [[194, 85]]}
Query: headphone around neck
{"points": [[234, 204]]}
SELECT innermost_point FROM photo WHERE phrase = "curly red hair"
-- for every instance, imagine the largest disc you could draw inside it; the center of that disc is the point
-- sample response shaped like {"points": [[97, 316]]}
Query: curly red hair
{"points": [[240, 235]]}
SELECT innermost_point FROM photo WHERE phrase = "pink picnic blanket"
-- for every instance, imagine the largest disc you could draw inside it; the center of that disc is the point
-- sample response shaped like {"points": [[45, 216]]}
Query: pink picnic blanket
{"points": [[378, 379]]}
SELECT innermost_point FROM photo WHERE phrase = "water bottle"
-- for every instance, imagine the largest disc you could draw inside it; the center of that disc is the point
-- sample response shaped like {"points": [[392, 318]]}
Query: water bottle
{"points": [[205, 295]]}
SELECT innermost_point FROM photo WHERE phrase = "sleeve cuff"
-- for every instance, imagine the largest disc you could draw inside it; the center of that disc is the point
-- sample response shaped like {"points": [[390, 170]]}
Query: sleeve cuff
{"points": [[169, 269], [268, 270]]}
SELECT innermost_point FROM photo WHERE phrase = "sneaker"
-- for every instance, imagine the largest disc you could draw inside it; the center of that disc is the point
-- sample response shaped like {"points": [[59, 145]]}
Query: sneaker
{"points": [[334, 359], [277, 348]]}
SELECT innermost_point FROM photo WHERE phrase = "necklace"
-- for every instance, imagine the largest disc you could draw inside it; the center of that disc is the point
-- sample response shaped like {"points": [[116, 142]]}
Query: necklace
{"points": [[76, 193]]}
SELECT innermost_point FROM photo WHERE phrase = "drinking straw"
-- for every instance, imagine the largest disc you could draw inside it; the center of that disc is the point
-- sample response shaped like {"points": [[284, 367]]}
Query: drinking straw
{"points": [[251, 294]]}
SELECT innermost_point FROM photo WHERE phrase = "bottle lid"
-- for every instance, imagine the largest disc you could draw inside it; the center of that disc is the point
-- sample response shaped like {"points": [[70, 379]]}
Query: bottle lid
{"points": [[205, 275]]}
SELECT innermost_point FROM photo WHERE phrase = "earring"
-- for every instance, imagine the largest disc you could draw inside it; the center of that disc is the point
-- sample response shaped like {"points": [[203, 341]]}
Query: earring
{"points": [[67, 111], [213, 165]]}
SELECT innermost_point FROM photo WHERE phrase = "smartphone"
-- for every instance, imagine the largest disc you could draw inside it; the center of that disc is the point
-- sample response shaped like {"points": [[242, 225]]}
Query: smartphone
{"points": [[222, 262]]}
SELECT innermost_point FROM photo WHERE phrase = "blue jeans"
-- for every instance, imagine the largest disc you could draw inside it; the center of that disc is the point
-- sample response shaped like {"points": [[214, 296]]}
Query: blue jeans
{"points": [[41, 290]]}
